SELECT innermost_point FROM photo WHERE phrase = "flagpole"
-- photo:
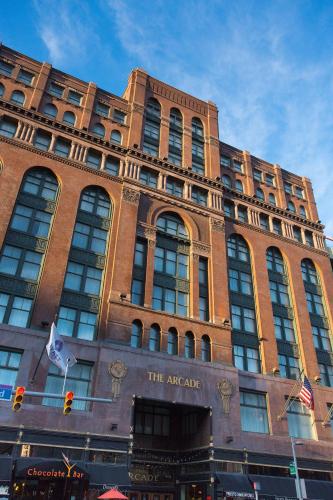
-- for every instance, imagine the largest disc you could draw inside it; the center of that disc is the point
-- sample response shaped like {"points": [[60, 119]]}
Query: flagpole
{"points": [[66, 370]]}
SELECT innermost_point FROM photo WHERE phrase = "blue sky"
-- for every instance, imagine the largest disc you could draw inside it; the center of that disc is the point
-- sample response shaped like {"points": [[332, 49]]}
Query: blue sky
{"points": [[267, 64]]}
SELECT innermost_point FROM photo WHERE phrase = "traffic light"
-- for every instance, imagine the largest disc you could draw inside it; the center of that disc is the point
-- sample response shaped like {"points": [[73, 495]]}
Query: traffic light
{"points": [[18, 398], [68, 402]]}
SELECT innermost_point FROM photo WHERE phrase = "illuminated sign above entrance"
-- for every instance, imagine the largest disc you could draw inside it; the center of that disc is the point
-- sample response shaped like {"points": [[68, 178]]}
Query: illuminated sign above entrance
{"points": [[162, 378]]}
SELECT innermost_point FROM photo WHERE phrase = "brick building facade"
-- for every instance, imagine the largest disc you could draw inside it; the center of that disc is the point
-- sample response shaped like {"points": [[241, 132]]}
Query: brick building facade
{"points": [[190, 279]]}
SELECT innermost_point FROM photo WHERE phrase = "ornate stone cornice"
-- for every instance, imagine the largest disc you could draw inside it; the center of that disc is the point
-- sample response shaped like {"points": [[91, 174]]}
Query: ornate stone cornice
{"points": [[200, 248], [130, 195], [217, 225]]}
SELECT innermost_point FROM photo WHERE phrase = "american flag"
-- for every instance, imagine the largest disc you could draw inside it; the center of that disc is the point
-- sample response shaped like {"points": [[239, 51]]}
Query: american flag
{"points": [[306, 394]]}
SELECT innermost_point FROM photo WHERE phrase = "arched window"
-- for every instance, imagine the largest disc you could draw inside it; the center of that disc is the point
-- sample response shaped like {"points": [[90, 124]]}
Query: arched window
{"points": [[154, 338], [291, 207], [243, 314], [272, 199], [136, 337], [2, 90], [189, 345], [283, 314], [31, 221], [302, 211], [237, 248], [260, 194], [205, 348], [239, 186], [50, 110], [172, 341], [69, 118], [175, 137], [99, 130], [151, 131], [81, 296], [171, 266], [198, 146], [116, 136], [18, 97], [226, 181]]}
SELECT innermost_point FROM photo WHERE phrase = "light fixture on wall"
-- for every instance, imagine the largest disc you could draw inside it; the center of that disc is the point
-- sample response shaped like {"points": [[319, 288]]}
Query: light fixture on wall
{"points": [[122, 296]]}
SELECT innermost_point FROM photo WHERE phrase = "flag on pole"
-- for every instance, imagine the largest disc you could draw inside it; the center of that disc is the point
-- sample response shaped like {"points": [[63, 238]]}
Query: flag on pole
{"points": [[306, 394], [58, 353]]}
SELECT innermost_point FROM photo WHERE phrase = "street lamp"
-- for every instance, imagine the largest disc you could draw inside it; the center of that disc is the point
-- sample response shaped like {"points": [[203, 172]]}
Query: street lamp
{"points": [[298, 484]]}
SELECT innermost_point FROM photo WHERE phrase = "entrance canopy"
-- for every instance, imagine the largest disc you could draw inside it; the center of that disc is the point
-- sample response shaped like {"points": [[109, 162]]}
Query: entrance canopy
{"points": [[235, 485], [113, 494]]}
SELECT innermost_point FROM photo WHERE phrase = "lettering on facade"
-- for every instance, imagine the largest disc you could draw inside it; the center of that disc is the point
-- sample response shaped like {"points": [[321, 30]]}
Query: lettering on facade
{"points": [[162, 378], [54, 473]]}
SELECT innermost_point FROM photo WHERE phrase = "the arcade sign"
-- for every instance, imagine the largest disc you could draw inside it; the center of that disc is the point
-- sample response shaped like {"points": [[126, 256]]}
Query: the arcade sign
{"points": [[162, 378]]}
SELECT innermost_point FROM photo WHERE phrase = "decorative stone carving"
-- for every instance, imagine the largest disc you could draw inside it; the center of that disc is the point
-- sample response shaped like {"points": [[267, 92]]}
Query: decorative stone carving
{"points": [[217, 225], [226, 390], [118, 371], [200, 248], [131, 196]]}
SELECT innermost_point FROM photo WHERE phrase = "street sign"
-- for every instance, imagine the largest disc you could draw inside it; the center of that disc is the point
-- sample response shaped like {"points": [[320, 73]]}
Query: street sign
{"points": [[6, 392], [292, 469]]}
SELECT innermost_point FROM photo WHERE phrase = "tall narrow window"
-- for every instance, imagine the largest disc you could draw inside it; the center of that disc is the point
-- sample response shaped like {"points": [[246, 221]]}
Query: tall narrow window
{"points": [[299, 421], [172, 341], [151, 131], [139, 272], [24, 246], [283, 313], [82, 291], [319, 321], [171, 266], [243, 314], [154, 338], [253, 409], [136, 336], [203, 289], [175, 137], [189, 345], [205, 348], [198, 146]]}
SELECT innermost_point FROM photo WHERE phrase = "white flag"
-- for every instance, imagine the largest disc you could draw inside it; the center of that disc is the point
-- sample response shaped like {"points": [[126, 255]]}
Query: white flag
{"points": [[58, 352]]}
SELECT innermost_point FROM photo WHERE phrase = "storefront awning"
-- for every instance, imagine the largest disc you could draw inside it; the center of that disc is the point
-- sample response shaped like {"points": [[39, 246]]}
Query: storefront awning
{"points": [[283, 487], [108, 474], [234, 485]]}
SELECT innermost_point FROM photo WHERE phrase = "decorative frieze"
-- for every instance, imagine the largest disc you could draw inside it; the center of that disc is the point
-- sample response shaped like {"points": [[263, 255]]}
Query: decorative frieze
{"points": [[217, 225], [131, 196]]}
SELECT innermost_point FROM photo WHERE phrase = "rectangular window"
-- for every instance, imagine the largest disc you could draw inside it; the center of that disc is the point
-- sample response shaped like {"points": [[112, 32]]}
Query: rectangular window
{"points": [[315, 304], [31, 221], [203, 289], [152, 130], [174, 187], [308, 238], [102, 109], [42, 140], [89, 238], [253, 410], [289, 366], [299, 192], [119, 116], [152, 420], [242, 213], [20, 311], [78, 380], [243, 319], [137, 292], [264, 222], [277, 227], [238, 166], [6, 68], [21, 263], [257, 175], [240, 282], [175, 140], [246, 358], [171, 301], [112, 165], [225, 161], [197, 150], [321, 338], [9, 366], [83, 279], [279, 293], [150, 149], [284, 329], [140, 254], [299, 421], [288, 188], [8, 127], [74, 323], [62, 147], [94, 159], [199, 196], [326, 375], [175, 158], [297, 234], [56, 90], [4, 300], [148, 177], [229, 209], [25, 77], [74, 97], [270, 180]]}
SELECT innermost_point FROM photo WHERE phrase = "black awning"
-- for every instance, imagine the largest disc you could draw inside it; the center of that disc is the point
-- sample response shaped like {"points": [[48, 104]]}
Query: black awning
{"points": [[275, 485], [236, 485], [319, 490], [108, 474]]}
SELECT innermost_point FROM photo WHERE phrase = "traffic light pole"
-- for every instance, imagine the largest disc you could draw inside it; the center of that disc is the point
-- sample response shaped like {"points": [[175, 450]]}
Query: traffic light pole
{"points": [[60, 396], [298, 484]]}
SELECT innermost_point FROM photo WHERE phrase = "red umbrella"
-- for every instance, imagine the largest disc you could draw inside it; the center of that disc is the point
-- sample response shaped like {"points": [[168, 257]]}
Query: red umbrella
{"points": [[113, 494]]}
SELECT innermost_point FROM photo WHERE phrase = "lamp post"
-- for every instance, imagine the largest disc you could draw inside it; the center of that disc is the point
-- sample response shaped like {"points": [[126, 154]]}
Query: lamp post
{"points": [[298, 484]]}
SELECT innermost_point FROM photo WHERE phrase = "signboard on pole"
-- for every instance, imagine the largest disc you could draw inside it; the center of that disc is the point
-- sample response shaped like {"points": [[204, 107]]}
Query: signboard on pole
{"points": [[292, 469], [6, 392]]}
